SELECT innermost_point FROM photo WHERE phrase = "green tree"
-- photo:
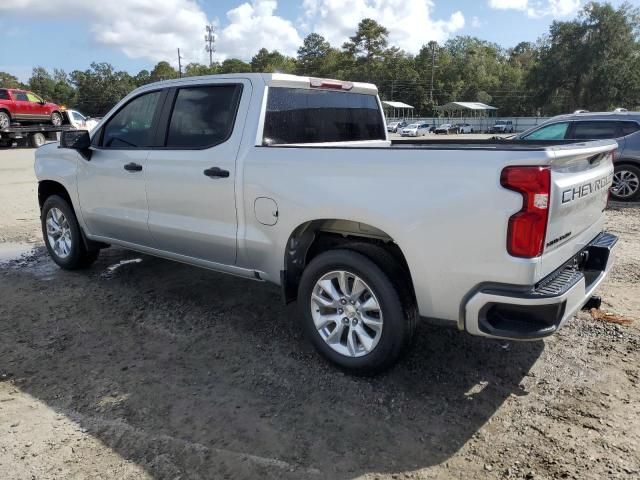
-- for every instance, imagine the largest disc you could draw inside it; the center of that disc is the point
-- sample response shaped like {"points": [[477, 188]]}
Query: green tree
{"points": [[234, 65], [163, 71], [370, 40], [266, 61], [313, 55], [10, 81], [100, 87], [591, 62], [197, 69]]}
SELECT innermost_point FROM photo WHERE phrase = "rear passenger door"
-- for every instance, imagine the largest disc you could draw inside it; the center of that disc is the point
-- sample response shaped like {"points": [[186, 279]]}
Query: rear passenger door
{"points": [[190, 178]]}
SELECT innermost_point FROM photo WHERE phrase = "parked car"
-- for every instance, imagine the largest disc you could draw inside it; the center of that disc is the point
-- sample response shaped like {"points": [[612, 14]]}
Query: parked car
{"points": [[446, 128], [81, 122], [502, 126], [415, 130], [395, 127], [26, 107], [624, 127], [464, 128], [333, 212]]}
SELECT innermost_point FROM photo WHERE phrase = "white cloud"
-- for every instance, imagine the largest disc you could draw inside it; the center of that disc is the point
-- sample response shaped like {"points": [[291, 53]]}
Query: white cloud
{"points": [[539, 8], [154, 29], [255, 25], [410, 23]]}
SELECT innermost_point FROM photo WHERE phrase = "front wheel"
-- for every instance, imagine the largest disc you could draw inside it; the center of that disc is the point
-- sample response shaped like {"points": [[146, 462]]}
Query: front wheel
{"points": [[5, 120], [353, 312], [62, 235], [626, 183]]}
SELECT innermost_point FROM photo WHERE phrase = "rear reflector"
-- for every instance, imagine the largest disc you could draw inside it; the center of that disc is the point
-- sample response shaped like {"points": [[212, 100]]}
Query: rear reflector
{"points": [[331, 84], [528, 227]]}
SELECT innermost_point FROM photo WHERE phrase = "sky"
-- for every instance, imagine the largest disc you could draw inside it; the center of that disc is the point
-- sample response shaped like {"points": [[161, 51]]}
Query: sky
{"points": [[136, 34]]}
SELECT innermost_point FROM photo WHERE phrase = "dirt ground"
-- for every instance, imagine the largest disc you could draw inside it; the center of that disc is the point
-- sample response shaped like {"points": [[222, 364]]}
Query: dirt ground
{"points": [[143, 368]]}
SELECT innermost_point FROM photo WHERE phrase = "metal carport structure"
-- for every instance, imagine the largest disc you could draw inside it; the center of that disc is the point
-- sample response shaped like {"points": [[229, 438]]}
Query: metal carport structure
{"points": [[397, 107]]}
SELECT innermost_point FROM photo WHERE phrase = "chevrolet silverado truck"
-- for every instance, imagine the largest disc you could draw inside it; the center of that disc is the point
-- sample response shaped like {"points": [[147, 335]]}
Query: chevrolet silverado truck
{"points": [[292, 180]]}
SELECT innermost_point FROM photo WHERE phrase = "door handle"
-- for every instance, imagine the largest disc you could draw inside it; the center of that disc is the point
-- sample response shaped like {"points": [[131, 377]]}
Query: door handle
{"points": [[216, 172], [133, 167]]}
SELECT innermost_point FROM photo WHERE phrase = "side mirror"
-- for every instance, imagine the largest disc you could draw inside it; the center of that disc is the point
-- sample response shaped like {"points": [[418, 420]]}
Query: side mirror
{"points": [[77, 140]]}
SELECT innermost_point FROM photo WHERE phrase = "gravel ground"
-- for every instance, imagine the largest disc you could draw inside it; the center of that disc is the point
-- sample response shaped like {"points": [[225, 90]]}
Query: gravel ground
{"points": [[143, 368]]}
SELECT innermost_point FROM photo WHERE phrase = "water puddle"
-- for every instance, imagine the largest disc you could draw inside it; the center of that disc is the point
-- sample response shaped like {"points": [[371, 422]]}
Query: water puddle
{"points": [[108, 273], [11, 251]]}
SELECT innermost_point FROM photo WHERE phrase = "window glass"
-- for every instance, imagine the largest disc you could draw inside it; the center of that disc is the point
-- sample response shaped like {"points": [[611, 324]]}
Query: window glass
{"points": [[629, 127], [131, 126], [33, 97], [78, 117], [203, 116], [594, 130], [297, 115], [555, 131], [21, 97], [4, 95]]}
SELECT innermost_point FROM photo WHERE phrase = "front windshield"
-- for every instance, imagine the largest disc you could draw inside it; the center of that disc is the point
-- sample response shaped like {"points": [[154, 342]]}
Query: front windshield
{"points": [[413, 125]]}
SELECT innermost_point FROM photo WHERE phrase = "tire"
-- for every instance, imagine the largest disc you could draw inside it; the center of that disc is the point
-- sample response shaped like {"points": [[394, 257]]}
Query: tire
{"points": [[5, 119], [38, 139], [626, 183], [56, 119], [63, 237], [395, 320]]}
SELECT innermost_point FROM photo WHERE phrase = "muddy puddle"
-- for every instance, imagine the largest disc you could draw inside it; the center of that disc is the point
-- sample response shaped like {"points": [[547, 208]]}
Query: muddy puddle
{"points": [[14, 251]]}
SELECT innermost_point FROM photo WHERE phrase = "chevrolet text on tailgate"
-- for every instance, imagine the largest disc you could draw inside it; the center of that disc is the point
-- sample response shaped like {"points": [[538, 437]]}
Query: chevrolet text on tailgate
{"points": [[292, 180]]}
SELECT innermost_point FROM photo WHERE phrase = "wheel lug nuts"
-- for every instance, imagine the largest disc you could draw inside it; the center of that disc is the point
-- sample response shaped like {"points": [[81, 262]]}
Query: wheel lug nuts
{"points": [[343, 301], [340, 311], [355, 322], [345, 320]]}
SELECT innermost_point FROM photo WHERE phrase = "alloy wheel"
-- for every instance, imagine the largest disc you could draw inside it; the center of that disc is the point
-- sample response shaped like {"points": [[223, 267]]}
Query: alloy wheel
{"points": [[59, 233], [625, 184], [346, 313]]}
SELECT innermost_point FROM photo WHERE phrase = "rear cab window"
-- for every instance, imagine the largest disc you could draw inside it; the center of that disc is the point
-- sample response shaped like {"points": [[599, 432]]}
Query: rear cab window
{"points": [[301, 115]]}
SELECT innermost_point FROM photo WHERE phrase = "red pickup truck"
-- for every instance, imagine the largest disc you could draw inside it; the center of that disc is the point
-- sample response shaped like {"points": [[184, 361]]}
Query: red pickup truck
{"points": [[24, 106]]}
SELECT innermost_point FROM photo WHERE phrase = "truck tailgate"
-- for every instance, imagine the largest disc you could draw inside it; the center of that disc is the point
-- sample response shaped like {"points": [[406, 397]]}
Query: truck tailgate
{"points": [[580, 179]]}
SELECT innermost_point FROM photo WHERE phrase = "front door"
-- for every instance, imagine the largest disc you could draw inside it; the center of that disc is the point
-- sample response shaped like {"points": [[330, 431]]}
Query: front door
{"points": [[38, 107], [111, 185], [191, 178]]}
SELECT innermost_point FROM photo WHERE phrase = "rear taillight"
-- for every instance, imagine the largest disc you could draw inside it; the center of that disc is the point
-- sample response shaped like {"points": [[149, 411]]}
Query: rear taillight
{"points": [[528, 227]]}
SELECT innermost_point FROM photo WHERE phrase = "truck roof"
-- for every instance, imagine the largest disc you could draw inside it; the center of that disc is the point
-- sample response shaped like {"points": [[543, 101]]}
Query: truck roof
{"points": [[277, 80]]}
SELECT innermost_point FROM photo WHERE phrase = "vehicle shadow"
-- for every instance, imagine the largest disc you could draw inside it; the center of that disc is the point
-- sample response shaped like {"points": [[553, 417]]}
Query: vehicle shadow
{"points": [[194, 374]]}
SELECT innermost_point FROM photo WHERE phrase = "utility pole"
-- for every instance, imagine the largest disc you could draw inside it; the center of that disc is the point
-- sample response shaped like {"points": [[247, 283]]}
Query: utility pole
{"points": [[433, 67], [179, 64], [210, 42]]}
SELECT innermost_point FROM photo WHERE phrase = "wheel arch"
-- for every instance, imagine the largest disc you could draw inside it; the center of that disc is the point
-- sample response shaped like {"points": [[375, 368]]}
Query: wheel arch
{"points": [[46, 188], [313, 237]]}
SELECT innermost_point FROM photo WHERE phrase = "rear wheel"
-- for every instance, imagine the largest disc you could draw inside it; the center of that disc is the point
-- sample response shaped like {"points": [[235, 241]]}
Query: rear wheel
{"points": [[56, 119], [626, 183], [62, 235], [353, 312], [38, 139]]}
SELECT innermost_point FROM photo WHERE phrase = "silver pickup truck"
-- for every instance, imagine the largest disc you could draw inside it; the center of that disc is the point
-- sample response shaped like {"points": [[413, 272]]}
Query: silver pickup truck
{"points": [[292, 180]]}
